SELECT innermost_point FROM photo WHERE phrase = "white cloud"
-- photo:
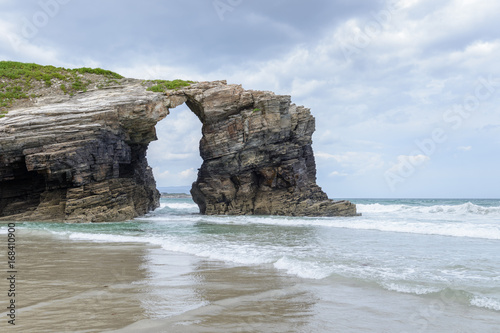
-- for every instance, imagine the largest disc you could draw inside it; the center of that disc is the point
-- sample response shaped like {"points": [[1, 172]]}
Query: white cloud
{"points": [[163, 154], [143, 70], [188, 174], [465, 148], [169, 178], [178, 135], [14, 46], [304, 87], [337, 174], [161, 175], [355, 162], [175, 156], [408, 162]]}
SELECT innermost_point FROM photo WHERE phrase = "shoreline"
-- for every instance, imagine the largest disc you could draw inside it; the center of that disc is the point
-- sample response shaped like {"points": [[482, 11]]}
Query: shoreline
{"points": [[80, 286], [164, 195]]}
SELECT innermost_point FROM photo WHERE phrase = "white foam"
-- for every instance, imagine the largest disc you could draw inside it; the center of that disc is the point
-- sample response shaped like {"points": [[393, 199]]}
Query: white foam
{"points": [[406, 289], [485, 302], [180, 205], [239, 254], [378, 208], [303, 269], [453, 228], [462, 209], [186, 218], [103, 238], [471, 230]]}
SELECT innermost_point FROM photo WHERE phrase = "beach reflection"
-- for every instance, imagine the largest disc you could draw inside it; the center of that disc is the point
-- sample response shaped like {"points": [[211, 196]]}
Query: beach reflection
{"points": [[69, 286], [251, 299]]}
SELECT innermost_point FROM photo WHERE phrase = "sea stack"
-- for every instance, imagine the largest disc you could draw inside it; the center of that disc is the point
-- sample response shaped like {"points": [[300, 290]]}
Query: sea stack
{"points": [[257, 155]]}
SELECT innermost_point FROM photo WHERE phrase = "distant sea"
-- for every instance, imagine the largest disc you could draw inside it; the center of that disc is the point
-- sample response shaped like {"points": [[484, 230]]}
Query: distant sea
{"points": [[445, 253], [175, 189]]}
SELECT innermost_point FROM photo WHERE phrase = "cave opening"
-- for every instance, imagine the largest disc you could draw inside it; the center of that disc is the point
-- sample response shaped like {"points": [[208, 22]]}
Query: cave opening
{"points": [[21, 190], [175, 156]]}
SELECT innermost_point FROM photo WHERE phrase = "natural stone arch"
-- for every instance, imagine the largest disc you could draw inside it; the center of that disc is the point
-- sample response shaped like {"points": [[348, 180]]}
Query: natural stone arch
{"points": [[83, 158]]}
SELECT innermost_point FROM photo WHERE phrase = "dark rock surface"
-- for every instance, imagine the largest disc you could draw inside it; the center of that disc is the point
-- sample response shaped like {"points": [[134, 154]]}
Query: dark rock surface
{"points": [[82, 158], [257, 155]]}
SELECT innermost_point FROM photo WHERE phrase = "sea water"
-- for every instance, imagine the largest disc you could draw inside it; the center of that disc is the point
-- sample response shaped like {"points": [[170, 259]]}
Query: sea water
{"points": [[446, 251]]}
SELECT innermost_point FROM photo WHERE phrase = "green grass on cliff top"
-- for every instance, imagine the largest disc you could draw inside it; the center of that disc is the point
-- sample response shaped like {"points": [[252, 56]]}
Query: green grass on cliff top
{"points": [[162, 85], [19, 80]]}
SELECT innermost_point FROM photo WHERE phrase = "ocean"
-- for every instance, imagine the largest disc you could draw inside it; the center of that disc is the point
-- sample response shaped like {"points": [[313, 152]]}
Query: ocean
{"points": [[423, 264]]}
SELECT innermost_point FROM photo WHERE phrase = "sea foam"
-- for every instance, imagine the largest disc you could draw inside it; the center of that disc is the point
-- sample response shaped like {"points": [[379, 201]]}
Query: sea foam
{"points": [[467, 208], [486, 302]]}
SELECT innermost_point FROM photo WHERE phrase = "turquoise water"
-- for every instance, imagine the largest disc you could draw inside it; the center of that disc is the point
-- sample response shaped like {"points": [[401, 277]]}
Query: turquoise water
{"points": [[441, 249]]}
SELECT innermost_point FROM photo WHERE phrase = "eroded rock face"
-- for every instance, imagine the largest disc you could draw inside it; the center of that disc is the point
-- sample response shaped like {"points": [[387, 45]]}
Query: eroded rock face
{"points": [[80, 159], [257, 155], [83, 158]]}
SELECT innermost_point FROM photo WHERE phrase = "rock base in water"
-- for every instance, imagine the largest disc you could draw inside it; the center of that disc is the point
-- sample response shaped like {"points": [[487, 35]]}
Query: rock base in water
{"points": [[257, 155]]}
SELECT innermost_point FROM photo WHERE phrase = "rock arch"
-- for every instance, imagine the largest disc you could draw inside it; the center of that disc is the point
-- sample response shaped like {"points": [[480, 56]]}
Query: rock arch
{"points": [[257, 155], [87, 154]]}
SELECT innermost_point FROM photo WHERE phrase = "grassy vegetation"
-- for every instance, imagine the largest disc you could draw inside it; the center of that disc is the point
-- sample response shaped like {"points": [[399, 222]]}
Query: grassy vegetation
{"points": [[17, 80], [162, 85], [24, 80]]}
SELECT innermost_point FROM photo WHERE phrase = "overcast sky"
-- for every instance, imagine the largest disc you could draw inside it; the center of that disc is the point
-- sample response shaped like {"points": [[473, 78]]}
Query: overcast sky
{"points": [[405, 92]]}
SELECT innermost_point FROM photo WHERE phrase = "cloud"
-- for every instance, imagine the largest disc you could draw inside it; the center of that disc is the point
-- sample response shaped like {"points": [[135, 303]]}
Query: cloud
{"points": [[161, 175], [337, 174], [175, 156], [407, 162], [13, 46], [412, 66], [465, 148], [178, 137], [188, 174], [355, 162], [169, 178], [143, 70]]}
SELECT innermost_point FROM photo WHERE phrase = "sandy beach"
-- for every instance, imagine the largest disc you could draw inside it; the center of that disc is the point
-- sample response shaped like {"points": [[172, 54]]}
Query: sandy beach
{"points": [[76, 286], [65, 285]]}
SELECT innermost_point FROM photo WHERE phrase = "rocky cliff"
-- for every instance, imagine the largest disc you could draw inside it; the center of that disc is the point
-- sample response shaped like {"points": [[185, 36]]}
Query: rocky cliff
{"points": [[257, 155], [82, 158]]}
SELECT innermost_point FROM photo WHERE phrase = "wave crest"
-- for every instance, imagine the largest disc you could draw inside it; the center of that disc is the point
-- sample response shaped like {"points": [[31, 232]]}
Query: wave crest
{"points": [[461, 209]]}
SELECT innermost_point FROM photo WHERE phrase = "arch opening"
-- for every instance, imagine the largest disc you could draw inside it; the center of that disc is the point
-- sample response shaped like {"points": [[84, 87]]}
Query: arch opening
{"points": [[175, 155]]}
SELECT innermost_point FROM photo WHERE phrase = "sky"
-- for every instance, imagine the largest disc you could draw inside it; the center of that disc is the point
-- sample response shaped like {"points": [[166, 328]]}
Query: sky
{"points": [[405, 92]]}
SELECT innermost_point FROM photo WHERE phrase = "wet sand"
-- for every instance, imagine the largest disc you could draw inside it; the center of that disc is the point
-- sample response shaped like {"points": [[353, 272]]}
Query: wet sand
{"points": [[221, 298], [76, 286], [66, 286]]}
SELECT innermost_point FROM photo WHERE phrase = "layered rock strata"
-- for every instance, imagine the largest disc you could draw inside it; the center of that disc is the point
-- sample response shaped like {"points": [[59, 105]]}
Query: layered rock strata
{"points": [[83, 158], [257, 155]]}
